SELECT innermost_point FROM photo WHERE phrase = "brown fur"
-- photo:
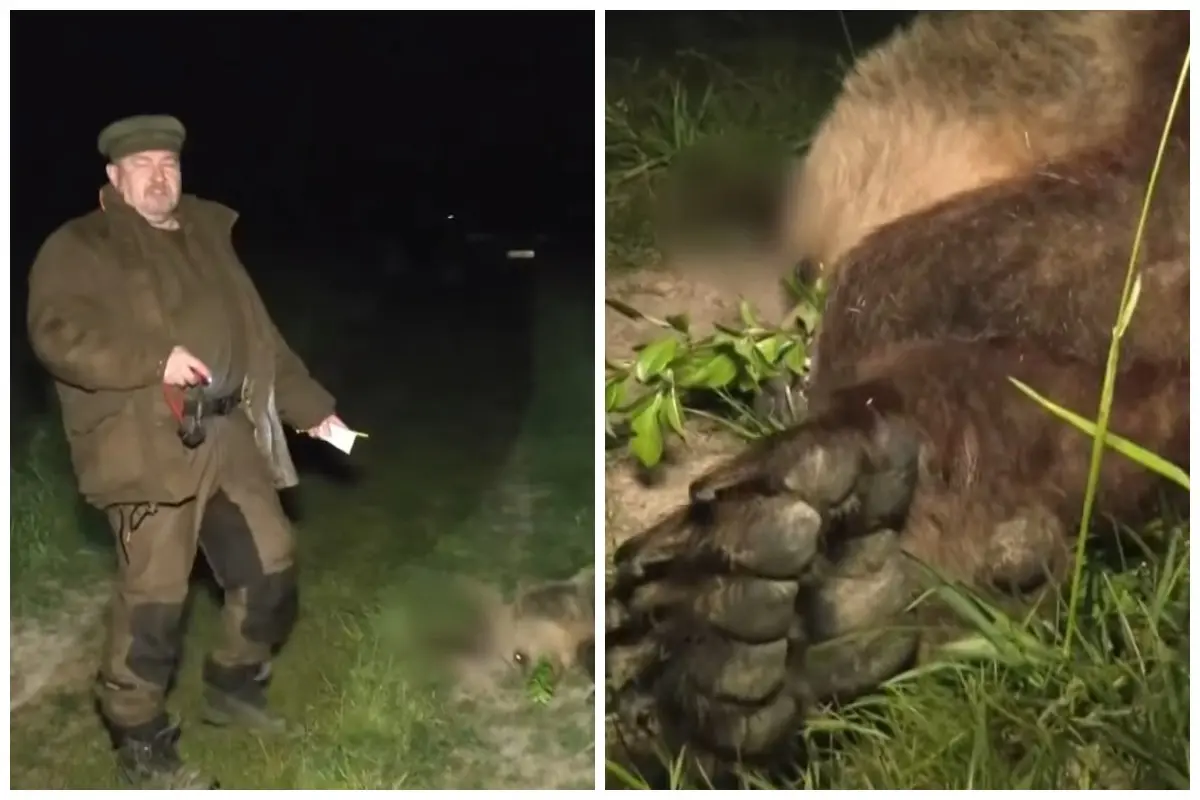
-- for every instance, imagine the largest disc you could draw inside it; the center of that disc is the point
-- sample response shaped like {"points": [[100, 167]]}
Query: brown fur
{"points": [[1022, 278], [989, 454], [961, 100], [555, 621]]}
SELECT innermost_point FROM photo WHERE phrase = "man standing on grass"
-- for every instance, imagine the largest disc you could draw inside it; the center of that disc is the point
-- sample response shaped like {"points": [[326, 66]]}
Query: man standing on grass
{"points": [[168, 367]]}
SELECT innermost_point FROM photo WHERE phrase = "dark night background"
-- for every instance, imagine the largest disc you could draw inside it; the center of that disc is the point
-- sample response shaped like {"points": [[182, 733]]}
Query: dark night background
{"points": [[343, 139], [340, 121], [630, 34]]}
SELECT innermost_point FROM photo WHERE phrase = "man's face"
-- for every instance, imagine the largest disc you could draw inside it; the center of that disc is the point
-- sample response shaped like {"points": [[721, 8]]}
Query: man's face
{"points": [[150, 182]]}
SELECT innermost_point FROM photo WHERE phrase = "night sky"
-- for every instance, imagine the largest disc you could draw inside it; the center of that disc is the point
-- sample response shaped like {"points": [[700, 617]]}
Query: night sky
{"points": [[319, 122]]}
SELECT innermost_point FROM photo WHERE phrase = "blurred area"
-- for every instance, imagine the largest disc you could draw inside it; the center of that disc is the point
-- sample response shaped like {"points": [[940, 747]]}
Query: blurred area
{"points": [[704, 114]]}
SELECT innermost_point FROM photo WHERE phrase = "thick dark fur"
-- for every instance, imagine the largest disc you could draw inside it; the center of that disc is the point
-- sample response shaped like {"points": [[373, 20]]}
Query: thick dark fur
{"points": [[929, 317], [916, 442]]}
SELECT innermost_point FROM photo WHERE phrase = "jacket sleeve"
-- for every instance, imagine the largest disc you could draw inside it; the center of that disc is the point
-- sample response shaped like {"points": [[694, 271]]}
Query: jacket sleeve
{"points": [[70, 319], [303, 403]]}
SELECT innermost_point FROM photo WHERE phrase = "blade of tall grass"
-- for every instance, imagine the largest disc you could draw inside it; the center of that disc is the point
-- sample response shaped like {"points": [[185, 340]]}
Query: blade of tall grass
{"points": [[1099, 431]]}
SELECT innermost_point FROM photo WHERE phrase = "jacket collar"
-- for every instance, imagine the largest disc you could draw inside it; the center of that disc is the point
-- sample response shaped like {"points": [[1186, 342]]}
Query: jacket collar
{"points": [[116, 209]]}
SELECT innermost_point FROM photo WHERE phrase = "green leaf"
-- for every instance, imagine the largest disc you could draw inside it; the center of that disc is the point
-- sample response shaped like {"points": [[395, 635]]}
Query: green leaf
{"points": [[715, 373], [655, 357], [540, 685], [747, 313], [672, 412], [614, 394], [644, 404], [757, 366], [647, 441], [744, 347], [808, 315], [691, 376], [773, 346], [750, 382], [795, 358]]}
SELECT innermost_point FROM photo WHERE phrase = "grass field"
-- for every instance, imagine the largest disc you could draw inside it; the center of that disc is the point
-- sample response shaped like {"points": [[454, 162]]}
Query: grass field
{"points": [[479, 464], [1103, 706]]}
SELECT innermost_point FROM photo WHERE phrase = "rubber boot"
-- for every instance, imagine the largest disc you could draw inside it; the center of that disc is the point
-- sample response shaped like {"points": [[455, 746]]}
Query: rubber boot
{"points": [[237, 696], [148, 758]]}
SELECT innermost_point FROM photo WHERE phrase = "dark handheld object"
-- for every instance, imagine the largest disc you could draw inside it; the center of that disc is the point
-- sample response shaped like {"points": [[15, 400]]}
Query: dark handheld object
{"points": [[192, 408]]}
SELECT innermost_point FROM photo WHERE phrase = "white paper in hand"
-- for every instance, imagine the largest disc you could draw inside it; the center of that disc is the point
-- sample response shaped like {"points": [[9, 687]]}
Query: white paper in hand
{"points": [[342, 437]]}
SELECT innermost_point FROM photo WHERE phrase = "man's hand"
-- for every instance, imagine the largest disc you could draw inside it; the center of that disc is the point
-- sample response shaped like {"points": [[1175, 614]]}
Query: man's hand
{"points": [[326, 427], [184, 369]]}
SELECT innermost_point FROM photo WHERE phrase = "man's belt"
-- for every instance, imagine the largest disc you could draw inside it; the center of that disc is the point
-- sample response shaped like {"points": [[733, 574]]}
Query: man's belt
{"points": [[193, 407]]}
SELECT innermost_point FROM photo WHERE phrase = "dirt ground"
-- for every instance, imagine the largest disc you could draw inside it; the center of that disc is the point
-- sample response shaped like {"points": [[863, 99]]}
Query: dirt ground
{"points": [[46, 655], [708, 290]]}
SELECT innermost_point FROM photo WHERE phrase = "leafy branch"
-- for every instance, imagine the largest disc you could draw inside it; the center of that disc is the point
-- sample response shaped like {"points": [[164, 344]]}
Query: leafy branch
{"points": [[540, 685], [649, 396]]}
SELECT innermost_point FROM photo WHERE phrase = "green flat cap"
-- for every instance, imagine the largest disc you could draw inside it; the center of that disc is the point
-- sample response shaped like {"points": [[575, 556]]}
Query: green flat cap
{"points": [[139, 134]]}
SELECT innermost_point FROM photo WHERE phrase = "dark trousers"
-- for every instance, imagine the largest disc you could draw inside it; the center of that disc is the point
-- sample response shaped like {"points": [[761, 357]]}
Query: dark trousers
{"points": [[237, 521]]}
